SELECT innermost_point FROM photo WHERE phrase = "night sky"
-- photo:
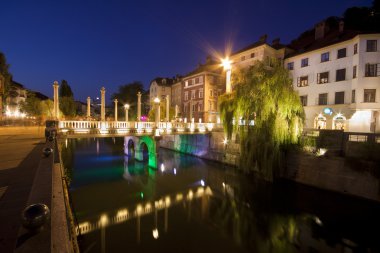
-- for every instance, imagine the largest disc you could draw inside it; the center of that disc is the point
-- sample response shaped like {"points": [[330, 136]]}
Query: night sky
{"points": [[98, 43]]}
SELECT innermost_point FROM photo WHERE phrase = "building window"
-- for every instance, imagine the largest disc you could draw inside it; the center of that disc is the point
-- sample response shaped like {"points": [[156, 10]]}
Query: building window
{"points": [[200, 93], [303, 100], [341, 53], [322, 99], [325, 57], [303, 81], [186, 83], [369, 95], [201, 79], [356, 48], [243, 58], [200, 107], [252, 55], [211, 93], [194, 107], [353, 96], [290, 65], [354, 69], [304, 62], [372, 70], [186, 95], [192, 94], [191, 82], [371, 45], [339, 97], [184, 108], [209, 105], [323, 77], [340, 75], [197, 80]]}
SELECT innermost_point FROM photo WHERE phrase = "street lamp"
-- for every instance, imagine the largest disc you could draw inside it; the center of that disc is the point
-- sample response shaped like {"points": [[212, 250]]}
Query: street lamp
{"points": [[227, 66], [126, 107]]}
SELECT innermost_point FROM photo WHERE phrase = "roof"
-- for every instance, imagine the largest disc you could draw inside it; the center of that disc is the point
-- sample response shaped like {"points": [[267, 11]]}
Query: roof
{"points": [[211, 65], [309, 43], [256, 44], [163, 81], [40, 96], [16, 84]]}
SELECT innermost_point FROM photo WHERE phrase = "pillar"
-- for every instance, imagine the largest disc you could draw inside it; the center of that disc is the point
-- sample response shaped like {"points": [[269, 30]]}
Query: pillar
{"points": [[56, 100], [139, 106], [176, 112], [191, 110], [115, 101], [167, 108], [126, 111], [228, 81], [157, 113], [103, 104], [88, 107]]}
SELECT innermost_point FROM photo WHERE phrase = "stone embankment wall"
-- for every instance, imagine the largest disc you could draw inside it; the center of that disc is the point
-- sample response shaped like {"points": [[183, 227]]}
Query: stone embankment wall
{"points": [[343, 168], [208, 146]]}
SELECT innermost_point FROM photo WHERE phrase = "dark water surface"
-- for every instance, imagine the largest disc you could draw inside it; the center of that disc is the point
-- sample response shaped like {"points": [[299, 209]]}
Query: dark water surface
{"points": [[192, 205]]}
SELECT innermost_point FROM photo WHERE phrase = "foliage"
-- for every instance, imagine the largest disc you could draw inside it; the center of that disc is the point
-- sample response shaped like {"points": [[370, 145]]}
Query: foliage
{"points": [[66, 100], [152, 112], [363, 18], [127, 94], [65, 89], [4, 66], [32, 105], [67, 106], [263, 94]]}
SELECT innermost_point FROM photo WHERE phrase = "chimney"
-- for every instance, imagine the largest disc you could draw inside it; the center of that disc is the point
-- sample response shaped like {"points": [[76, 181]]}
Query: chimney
{"points": [[341, 26], [320, 30], [263, 38], [275, 41]]}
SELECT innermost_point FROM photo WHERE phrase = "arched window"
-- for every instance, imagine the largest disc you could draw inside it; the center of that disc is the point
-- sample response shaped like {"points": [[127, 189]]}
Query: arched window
{"points": [[320, 122], [339, 122]]}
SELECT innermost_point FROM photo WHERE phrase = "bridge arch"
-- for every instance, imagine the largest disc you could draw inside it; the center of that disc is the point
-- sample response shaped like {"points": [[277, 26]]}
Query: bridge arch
{"points": [[142, 148]]}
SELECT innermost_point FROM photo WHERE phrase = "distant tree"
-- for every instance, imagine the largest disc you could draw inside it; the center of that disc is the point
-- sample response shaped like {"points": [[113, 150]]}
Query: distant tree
{"points": [[127, 94], [363, 18], [6, 82], [32, 105], [67, 106], [65, 89], [66, 100]]}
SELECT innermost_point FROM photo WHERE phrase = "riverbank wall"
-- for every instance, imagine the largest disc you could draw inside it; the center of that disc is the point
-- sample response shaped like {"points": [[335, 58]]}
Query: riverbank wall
{"points": [[338, 161]]}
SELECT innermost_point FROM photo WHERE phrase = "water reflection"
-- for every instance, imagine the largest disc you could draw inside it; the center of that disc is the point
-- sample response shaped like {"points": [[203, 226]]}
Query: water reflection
{"points": [[190, 205]]}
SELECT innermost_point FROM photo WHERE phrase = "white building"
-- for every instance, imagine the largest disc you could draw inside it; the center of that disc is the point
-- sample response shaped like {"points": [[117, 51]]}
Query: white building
{"points": [[160, 87], [337, 77]]}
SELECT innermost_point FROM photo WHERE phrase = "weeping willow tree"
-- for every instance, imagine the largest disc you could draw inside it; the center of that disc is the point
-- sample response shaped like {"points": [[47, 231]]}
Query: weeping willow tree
{"points": [[262, 96]]}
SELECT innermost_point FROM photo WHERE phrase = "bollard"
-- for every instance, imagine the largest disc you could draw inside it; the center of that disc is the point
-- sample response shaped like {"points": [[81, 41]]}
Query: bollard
{"points": [[35, 216], [47, 151]]}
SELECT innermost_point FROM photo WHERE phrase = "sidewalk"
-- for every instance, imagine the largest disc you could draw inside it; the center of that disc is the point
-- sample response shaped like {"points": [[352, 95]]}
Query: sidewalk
{"points": [[20, 153]]}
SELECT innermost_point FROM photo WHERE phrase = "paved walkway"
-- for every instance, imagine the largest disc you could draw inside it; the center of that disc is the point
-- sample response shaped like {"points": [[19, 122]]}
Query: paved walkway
{"points": [[20, 153]]}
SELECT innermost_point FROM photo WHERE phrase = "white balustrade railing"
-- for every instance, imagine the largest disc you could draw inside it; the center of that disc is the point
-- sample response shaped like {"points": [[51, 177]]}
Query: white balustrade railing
{"points": [[138, 127]]}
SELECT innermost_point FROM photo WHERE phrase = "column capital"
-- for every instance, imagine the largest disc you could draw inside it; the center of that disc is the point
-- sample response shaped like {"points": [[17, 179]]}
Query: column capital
{"points": [[115, 100], [103, 89], [56, 83], [139, 93]]}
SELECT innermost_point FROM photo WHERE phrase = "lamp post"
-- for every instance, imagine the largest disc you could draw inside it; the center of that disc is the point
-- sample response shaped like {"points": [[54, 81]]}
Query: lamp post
{"points": [[88, 107], [139, 106], [126, 107], [226, 63], [167, 108], [56, 100], [157, 104], [103, 104]]}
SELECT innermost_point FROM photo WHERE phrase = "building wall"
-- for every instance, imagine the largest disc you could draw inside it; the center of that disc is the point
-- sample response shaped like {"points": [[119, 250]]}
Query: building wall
{"points": [[360, 115], [176, 97], [158, 90]]}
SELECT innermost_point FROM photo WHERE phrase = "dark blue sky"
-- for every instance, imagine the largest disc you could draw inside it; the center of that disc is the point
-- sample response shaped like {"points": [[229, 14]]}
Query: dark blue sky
{"points": [[108, 43]]}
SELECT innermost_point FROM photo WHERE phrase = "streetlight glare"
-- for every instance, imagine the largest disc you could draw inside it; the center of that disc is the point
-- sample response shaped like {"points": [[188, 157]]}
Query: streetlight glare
{"points": [[156, 100], [126, 106], [226, 63]]}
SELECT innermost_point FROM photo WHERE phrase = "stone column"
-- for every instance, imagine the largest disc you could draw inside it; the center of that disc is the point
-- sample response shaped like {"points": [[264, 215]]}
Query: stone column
{"points": [[126, 111], [228, 81], [176, 111], [191, 110], [167, 108], [56, 100], [88, 107], [157, 104], [103, 104], [139, 106], [115, 101]]}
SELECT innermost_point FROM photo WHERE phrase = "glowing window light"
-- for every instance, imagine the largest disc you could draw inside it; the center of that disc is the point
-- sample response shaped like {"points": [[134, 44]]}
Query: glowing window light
{"points": [[162, 167], [155, 233], [202, 182]]}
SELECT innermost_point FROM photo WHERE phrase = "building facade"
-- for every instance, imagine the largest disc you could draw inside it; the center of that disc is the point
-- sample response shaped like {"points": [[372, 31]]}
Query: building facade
{"points": [[160, 87], [339, 83], [200, 93]]}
